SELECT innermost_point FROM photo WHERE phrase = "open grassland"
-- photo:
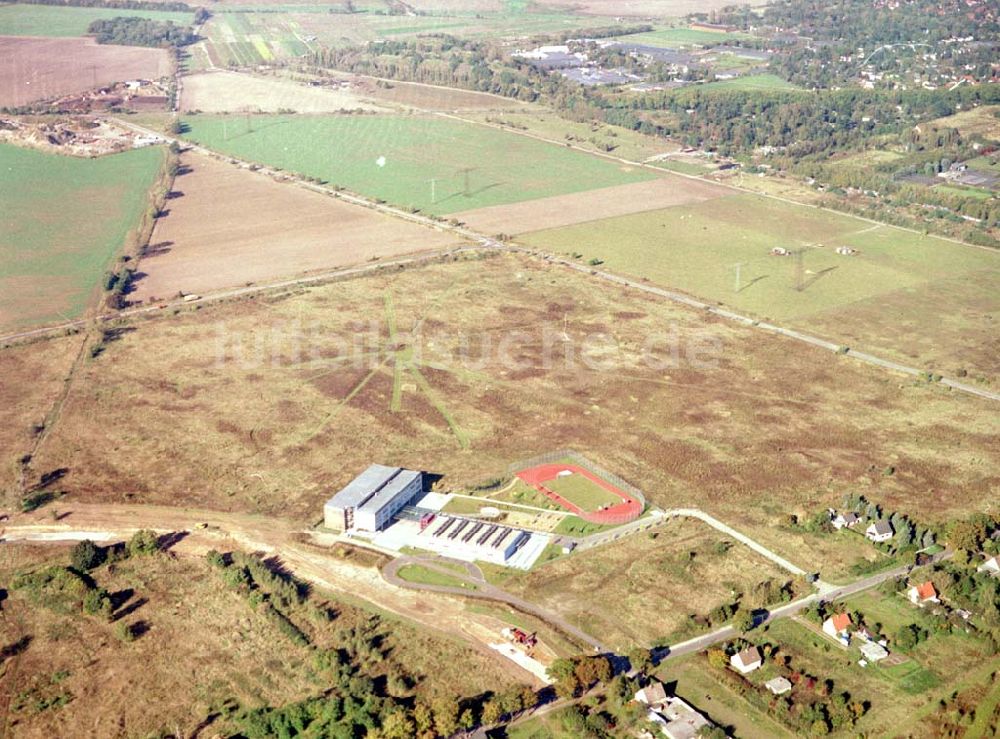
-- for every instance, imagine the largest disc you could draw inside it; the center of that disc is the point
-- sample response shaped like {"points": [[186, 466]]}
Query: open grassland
{"points": [[219, 92], [886, 298], [432, 164], [641, 588], [673, 38], [593, 136], [201, 644], [642, 8], [227, 226], [32, 376], [359, 28], [431, 97], [268, 405], [981, 121], [64, 220], [35, 68], [258, 33], [51, 20], [751, 82]]}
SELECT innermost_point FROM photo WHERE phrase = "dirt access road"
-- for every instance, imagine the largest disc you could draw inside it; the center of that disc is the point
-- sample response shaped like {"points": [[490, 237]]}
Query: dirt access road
{"points": [[440, 612]]}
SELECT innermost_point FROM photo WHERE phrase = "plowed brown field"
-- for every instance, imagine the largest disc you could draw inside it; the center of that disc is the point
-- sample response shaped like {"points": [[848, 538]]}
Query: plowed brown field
{"points": [[226, 227], [566, 210], [39, 68]]}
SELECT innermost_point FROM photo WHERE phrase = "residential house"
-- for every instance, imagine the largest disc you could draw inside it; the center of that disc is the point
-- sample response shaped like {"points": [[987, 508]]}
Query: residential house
{"points": [[681, 720], [653, 694], [746, 661], [874, 652], [778, 686], [880, 531], [837, 625], [991, 566], [923, 593], [845, 520]]}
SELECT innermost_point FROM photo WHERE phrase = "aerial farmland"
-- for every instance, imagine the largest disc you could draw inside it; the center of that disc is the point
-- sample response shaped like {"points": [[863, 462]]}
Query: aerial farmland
{"points": [[499, 368]]}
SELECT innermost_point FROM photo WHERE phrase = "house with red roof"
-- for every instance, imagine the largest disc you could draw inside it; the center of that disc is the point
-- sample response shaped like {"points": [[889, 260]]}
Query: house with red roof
{"points": [[923, 593]]}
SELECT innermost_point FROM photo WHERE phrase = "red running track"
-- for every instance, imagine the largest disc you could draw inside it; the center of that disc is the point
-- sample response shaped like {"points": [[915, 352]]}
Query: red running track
{"points": [[628, 510]]}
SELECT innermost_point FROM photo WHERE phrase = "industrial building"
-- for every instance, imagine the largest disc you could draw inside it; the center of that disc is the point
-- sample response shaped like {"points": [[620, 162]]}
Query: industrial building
{"points": [[470, 540], [370, 500]]}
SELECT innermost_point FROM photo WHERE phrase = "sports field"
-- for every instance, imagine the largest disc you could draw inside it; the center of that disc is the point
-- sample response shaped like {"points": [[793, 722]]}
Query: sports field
{"points": [[583, 492], [436, 165], [50, 20], [720, 250], [64, 219]]}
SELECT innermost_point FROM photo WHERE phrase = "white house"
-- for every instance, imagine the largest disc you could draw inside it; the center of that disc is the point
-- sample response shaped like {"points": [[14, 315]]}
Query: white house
{"points": [[778, 685], [681, 721], [991, 566], [844, 520], [746, 661], [837, 625], [880, 531], [923, 593], [653, 694], [874, 652]]}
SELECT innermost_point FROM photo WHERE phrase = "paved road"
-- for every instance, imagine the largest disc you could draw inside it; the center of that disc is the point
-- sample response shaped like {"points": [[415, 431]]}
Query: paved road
{"points": [[483, 590], [835, 593]]}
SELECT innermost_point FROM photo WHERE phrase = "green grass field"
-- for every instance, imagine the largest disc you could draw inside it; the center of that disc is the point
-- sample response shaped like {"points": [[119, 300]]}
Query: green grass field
{"points": [[426, 576], [48, 20], [581, 491], [696, 248], [751, 82], [395, 158], [64, 220], [672, 38]]}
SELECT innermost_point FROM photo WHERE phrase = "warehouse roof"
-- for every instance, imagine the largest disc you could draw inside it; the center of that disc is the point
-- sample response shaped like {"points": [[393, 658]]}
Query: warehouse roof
{"points": [[362, 487], [390, 489]]}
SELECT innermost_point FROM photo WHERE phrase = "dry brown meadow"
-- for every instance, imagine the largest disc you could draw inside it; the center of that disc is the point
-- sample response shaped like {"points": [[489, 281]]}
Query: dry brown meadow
{"points": [[773, 428]]}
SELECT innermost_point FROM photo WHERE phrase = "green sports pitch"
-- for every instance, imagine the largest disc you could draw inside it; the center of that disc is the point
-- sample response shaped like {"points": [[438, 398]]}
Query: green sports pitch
{"points": [[431, 164]]}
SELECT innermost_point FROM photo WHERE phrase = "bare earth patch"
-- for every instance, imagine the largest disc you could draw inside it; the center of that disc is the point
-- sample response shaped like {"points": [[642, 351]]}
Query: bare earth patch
{"points": [[227, 226], [566, 210], [222, 91], [39, 68]]}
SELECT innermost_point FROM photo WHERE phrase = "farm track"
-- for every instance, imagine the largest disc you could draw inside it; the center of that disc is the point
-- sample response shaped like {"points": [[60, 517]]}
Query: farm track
{"points": [[487, 242]]}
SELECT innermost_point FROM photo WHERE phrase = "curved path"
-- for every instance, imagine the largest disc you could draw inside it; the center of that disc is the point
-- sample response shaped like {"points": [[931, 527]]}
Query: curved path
{"points": [[483, 590]]}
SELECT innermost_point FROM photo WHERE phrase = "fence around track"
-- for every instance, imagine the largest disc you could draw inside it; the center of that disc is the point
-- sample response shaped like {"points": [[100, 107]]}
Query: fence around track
{"points": [[572, 457]]}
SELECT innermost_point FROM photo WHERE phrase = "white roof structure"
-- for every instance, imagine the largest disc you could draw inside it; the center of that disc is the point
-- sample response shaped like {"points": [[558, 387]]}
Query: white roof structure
{"points": [[873, 652], [778, 685]]}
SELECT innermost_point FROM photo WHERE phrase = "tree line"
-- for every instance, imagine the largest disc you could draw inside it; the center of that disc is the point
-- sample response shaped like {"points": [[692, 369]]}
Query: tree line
{"points": [[132, 31]]}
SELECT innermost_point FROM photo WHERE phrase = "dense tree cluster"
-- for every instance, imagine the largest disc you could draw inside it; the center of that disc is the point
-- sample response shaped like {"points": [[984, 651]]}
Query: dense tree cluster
{"points": [[131, 31]]}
